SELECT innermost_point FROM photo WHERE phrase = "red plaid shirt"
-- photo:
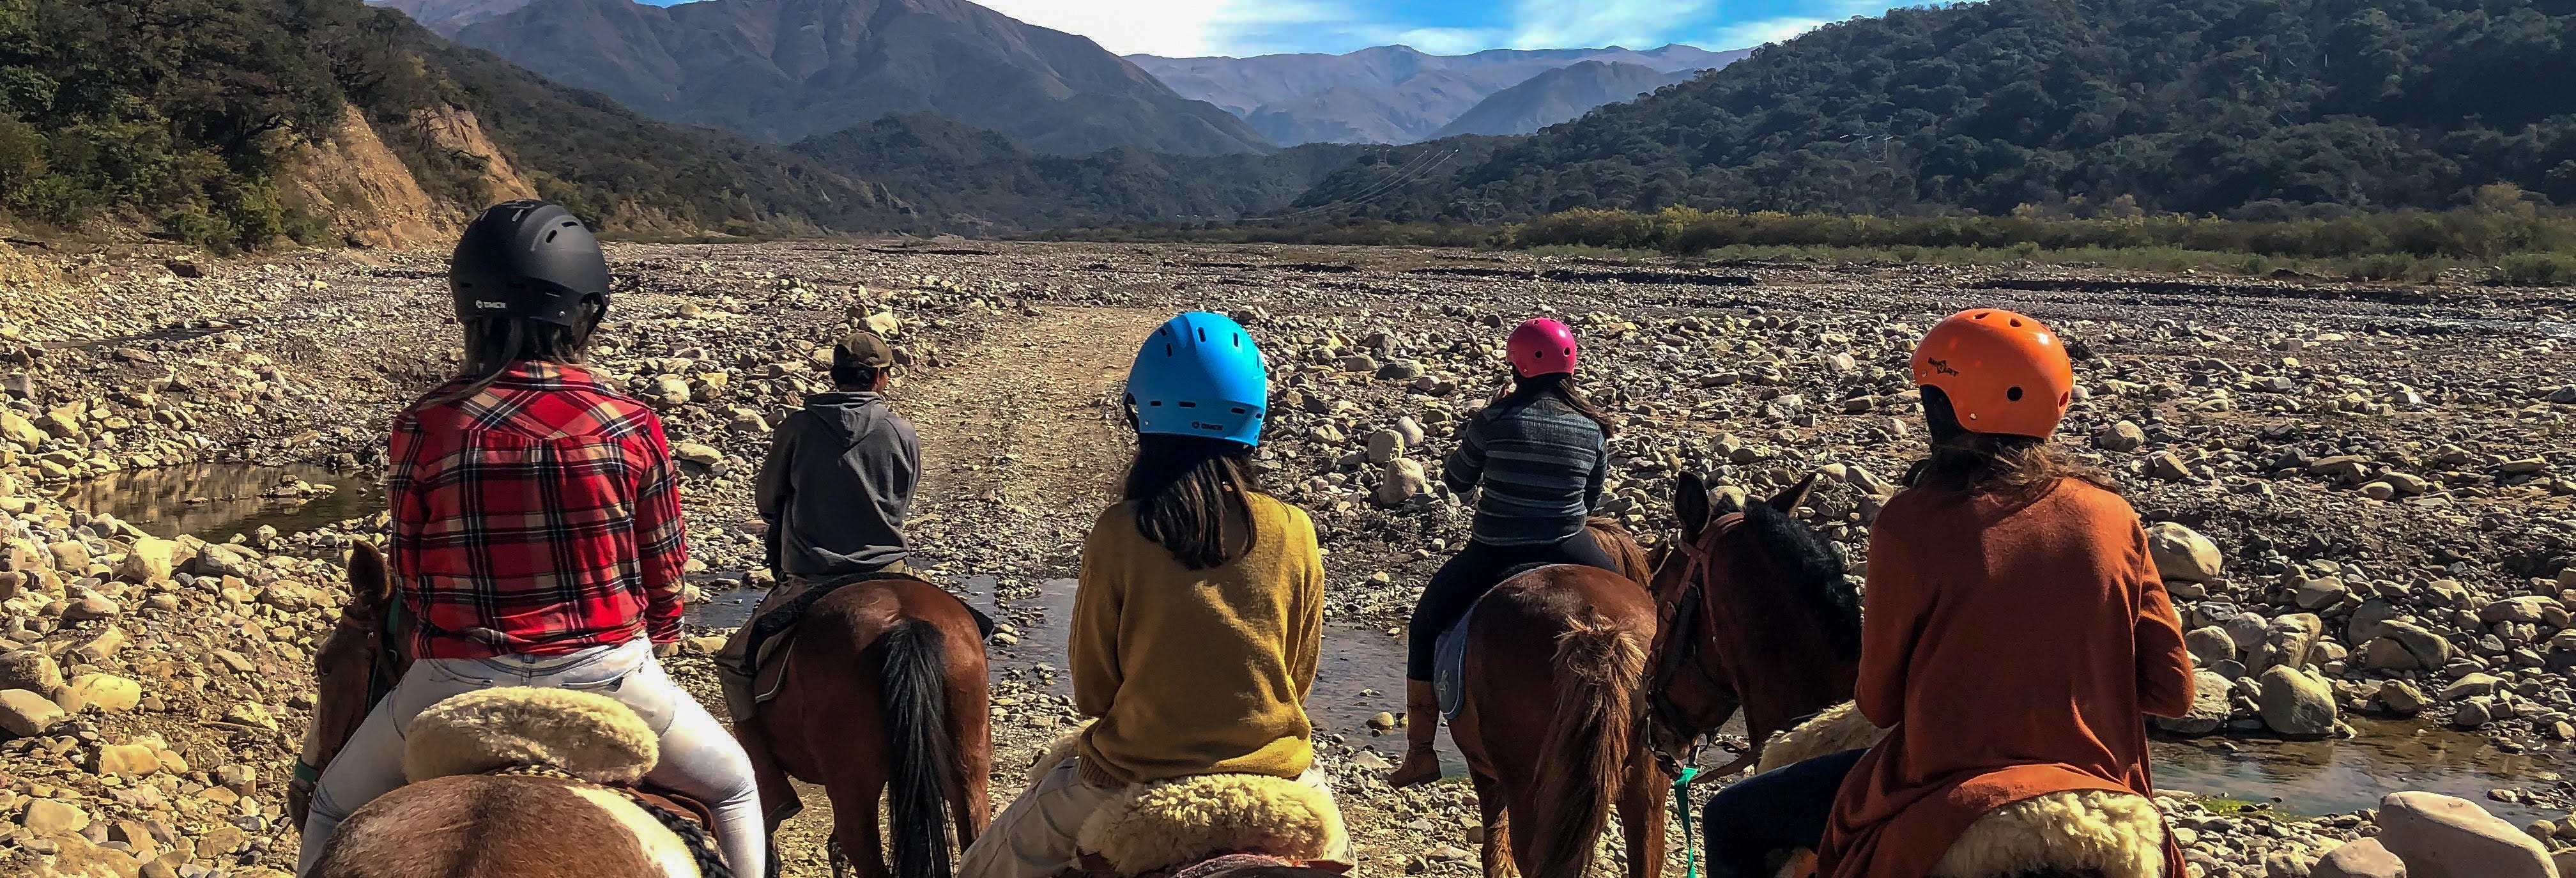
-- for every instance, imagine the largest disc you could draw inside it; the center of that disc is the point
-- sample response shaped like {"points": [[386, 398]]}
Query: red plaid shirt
{"points": [[539, 516]]}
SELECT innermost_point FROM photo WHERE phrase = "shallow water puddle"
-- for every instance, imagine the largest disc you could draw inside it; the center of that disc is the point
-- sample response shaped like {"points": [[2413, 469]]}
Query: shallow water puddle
{"points": [[216, 500], [1362, 673]]}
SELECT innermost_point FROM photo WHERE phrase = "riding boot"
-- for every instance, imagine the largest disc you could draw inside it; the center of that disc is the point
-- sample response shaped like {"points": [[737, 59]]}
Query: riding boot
{"points": [[1421, 730]]}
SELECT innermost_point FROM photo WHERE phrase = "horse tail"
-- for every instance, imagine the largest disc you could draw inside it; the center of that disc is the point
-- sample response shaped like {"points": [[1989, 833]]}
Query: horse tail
{"points": [[1600, 663], [916, 710]]}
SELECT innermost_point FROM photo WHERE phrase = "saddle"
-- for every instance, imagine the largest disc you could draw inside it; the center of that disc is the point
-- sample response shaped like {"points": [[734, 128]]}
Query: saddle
{"points": [[1207, 826], [2092, 833], [766, 646], [1449, 655], [567, 735]]}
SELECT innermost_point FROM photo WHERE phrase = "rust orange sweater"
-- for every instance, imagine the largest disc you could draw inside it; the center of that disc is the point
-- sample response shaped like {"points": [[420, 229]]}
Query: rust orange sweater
{"points": [[2013, 643]]}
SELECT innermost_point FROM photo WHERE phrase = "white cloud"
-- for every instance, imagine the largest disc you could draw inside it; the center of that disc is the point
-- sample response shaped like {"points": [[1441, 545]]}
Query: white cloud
{"points": [[1174, 28], [1747, 34], [1561, 24]]}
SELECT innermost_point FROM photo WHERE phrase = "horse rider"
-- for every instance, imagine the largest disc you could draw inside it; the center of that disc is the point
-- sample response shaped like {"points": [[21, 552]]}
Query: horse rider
{"points": [[2014, 629], [834, 490], [1537, 455], [537, 538], [1198, 618]]}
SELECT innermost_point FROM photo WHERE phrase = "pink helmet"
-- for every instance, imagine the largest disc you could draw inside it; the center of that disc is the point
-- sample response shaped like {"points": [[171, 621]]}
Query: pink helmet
{"points": [[1541, 347]]}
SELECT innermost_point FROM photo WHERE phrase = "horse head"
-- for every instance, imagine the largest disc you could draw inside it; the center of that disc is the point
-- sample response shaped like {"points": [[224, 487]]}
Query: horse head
{"points": [[1754, 614], [354, 666]]}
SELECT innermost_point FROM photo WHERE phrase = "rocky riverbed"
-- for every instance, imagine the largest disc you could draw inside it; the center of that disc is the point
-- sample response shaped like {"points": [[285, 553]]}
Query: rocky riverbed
{"points": [[2364, 497]]}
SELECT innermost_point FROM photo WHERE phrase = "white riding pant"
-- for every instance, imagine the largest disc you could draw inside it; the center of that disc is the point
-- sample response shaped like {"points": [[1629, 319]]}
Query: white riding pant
{"points": [[699, 758], [1036, 837]]}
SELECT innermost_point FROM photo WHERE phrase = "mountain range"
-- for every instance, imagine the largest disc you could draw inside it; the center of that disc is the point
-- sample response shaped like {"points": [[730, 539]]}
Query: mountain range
{"points": [[2283, 109], [783, 70], [1387, 94], [1560, 95]]}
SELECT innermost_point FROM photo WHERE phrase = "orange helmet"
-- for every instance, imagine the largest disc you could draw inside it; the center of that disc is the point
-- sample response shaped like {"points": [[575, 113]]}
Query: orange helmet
{"points": [[2003, 372]]}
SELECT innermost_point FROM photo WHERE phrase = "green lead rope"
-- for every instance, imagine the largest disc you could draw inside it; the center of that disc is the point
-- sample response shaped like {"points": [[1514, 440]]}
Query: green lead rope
{"points": [[1682, 809]]}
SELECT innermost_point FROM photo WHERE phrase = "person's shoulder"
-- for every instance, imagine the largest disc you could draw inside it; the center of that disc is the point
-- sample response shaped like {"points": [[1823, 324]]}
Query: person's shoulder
{"points": [[2074, 496], [1266, 506]]}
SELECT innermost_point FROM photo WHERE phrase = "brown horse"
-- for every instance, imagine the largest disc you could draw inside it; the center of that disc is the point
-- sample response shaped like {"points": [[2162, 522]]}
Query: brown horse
{"points": [[885, 694], [1755, 616], [1555, 657]]}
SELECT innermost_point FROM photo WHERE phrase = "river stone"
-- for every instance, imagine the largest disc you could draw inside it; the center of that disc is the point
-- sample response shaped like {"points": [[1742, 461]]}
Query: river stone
{"points": [[106, 692], [1410, 430], [24, 713], [2288, 641], [702, 455], [2472, 714], [44, 816], [1384, 446], [30, 670], [16, 428], [91, 608], [70, 556], [2209, 644], [2442, 836], [2364, 625], [2364, 858], [2208, 707], [226, 559], [2525, 609], [147, 561], [2471, 686], [2122, 436], [2401, 697], [129, 760], [2320, 593], [2429, 649], [2296, 704], [1401, 481]]}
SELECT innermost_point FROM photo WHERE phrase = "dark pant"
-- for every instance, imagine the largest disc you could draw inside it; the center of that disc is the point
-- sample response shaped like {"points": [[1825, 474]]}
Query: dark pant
{"points": [[1778, 810], [1475, 571]]}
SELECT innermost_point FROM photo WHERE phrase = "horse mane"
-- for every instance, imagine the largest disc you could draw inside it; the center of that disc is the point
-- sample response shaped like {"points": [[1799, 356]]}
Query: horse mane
{"points": [[1812, 561]]}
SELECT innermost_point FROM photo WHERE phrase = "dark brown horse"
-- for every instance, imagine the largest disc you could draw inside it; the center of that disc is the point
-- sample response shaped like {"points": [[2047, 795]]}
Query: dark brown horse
{"points": [[885, 694], [1755, 616], [1555, 658]]}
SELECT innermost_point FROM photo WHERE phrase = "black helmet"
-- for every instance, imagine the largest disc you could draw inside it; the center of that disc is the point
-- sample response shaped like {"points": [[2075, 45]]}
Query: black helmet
{"points": [[529, 260]]}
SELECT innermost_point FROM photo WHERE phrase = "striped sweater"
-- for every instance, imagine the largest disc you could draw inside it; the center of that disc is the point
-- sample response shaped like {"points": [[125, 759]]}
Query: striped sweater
{"points": [[1540, 465]]}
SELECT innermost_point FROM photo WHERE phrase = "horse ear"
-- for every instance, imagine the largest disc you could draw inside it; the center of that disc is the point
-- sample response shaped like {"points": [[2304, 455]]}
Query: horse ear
{"points": [[1690, 504], [370, 587], [1796, 496]]}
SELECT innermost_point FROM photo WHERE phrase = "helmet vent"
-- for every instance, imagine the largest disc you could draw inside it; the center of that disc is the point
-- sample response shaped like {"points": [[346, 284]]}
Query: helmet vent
{"points": [[550, 237], [1981, 315], [1189, 405], [2013, 394], [1202, 334], [2016, 324], [1240, 410]]}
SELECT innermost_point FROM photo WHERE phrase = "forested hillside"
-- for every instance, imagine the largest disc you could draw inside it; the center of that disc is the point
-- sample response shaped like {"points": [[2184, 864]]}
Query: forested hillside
{"points": [[969, 179], [189, 117], [2238, 107]]}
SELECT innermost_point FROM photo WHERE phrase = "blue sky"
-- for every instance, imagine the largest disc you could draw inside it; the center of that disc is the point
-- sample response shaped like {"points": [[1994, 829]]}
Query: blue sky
{"points": [[1255, 27]]}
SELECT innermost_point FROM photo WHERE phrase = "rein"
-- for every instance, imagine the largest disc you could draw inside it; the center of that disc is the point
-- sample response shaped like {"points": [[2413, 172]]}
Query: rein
{"points": [[1682, 647]]}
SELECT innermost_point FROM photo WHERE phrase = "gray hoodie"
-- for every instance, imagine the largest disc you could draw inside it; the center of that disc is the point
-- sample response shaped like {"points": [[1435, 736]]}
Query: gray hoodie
{"points": [[836, 485]]}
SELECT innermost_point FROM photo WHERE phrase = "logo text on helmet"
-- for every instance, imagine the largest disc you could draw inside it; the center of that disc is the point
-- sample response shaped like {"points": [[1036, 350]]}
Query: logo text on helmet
{"points": [[1941, 366], [495, 306]]}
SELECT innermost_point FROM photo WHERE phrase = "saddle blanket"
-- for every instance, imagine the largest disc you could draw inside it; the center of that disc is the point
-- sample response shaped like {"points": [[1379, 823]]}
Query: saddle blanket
{"points": [[1449, 654]]}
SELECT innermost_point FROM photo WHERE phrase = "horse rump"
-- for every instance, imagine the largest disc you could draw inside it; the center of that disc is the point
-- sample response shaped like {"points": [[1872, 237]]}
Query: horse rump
{"points": [[1599, 666], [915, 686]]}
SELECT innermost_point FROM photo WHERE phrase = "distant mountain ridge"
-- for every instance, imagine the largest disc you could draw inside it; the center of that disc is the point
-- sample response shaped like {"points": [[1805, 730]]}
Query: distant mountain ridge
{"points": [[449, 16], [1560, 95], [783, 70], [1386, 94]]}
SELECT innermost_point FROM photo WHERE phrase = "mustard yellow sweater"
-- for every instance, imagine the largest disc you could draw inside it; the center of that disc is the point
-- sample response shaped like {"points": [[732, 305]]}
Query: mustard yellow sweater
{"points": [[1194, 672]]}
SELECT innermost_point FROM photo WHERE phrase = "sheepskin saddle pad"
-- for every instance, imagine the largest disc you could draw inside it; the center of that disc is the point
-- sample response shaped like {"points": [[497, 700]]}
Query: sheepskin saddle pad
{"points": [[1159, 825], [2075, 832], [1153, 827], [588, 736], [1838, 728]]}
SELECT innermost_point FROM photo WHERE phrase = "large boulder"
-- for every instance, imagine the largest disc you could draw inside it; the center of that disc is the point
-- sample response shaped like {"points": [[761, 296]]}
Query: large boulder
{"points": [[2430, 650], [2209, 644], [2208, 707], [2287, 641], [17, 429], [1401, 481], [2364, 626], [30, 670], [106, 692], [2526, 609], [2182, 553], [2442, 836], [2295, 704]]}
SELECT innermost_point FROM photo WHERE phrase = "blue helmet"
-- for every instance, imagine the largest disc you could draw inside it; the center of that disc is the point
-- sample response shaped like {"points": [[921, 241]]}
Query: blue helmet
{"points": [[1199, 374]]}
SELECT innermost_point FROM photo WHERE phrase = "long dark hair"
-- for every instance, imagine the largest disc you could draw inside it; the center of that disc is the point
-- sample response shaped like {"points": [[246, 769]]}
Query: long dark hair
{"points": [[1523, 391], [1184, 488], [1977, 463], [492, 344]]}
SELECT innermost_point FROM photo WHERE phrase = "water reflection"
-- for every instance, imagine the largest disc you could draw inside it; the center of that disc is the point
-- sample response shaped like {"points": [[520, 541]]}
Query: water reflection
{"points": [[213, 501]]}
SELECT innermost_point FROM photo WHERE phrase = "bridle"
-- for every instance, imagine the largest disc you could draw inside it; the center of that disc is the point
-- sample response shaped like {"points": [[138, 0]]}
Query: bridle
{"points": [[1682, 643]]}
